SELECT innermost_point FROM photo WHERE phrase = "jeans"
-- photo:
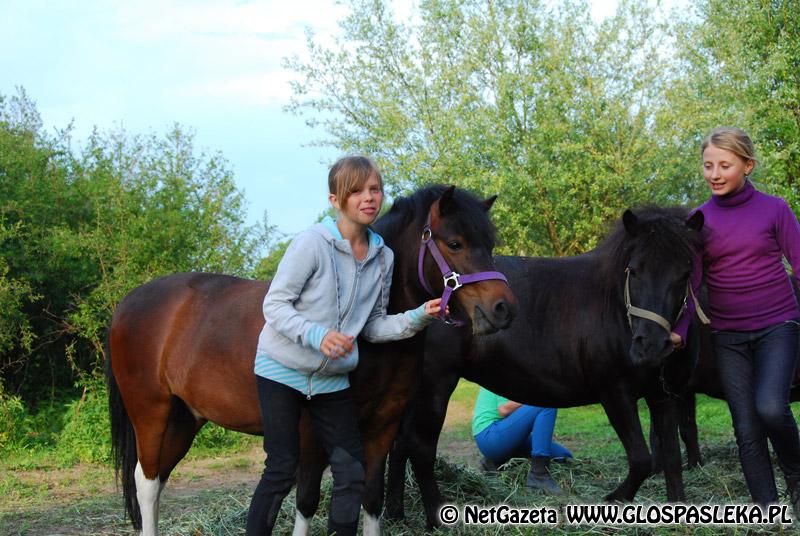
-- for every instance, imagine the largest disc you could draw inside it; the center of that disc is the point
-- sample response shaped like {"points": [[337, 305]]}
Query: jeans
{"points": [[528, 431], [335, 422], [756, 370]]}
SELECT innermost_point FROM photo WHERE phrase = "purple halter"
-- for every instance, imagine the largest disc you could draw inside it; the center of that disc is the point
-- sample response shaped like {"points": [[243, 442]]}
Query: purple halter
{"points": [[452, 280]]}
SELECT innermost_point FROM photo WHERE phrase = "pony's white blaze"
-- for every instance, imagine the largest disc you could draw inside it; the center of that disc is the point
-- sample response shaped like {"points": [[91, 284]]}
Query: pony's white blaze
{"points": [[147, 493], [301, 525], [372, 525]]}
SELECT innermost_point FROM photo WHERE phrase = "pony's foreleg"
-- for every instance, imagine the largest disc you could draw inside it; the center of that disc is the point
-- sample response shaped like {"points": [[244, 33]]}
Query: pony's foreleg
{"points": [[313, 461], [663, 414], [375, 452], [621, 410], [687, 425], [148, 492], [422, 437], [396, 475], [376, 449]]}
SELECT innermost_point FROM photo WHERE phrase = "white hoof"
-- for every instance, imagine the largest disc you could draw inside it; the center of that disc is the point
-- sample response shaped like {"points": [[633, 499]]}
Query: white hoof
{"points": [[301, 525], [372, 525]]}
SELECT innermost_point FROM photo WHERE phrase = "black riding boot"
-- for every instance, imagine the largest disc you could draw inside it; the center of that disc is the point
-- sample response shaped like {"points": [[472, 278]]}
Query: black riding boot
{"points": [[539, 477], [793, 487], [342, 529]]}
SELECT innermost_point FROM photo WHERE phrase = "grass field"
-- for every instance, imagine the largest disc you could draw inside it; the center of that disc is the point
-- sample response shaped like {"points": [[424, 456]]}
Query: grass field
{"points": [[209, 495]]}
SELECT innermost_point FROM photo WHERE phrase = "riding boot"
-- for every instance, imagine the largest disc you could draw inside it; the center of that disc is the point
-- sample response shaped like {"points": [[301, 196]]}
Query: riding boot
{"points": [[342, 529], [262, 522], [488, 466], [793, 488], [539, 477]]}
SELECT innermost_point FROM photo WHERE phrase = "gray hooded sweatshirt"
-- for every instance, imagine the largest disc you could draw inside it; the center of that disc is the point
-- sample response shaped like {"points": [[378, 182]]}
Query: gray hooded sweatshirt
{"points": [[320, 286]]}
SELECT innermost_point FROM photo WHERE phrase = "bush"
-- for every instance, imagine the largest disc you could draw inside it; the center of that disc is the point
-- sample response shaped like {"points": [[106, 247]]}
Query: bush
{"points": [[86, 436], [13, 416], [215, 439]]}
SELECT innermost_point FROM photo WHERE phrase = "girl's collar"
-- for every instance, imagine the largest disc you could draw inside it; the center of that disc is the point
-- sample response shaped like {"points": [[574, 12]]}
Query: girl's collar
{"points": [[373, 238], [737, 198]]}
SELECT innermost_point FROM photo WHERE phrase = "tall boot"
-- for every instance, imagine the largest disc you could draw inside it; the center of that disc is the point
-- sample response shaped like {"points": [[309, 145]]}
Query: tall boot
{"points": [[261, 521], [793, 488], [342, 529], [539, 477]]}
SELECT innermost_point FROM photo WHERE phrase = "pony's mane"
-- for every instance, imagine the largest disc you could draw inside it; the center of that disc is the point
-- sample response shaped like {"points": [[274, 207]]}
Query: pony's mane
{"points": [[662, 237], [471, 217]]}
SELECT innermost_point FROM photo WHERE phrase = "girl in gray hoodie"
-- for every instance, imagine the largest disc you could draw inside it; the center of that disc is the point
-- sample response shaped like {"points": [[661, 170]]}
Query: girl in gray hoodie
{"points": [[331, 286]]}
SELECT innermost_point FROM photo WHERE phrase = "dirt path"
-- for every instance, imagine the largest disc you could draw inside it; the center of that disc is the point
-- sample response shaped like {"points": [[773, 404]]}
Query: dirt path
{"points": [[85, 500]]}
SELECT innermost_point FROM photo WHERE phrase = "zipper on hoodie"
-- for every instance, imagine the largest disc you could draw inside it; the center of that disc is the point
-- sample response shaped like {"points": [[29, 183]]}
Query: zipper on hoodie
{"points": [[320, 367], [348, 309], [343, 318]]}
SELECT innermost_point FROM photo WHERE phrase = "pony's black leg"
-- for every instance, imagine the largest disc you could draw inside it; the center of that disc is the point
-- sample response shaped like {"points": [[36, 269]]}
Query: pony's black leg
{"points": [[396, 476], [687, 424], [663, 416], [655, 448], [373, 489], [621, 410], [429, 410], [313, 461]]}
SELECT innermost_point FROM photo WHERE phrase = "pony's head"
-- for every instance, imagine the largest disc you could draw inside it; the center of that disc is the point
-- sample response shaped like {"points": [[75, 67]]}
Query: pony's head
{"points": [[464, 235], [655, 249]]}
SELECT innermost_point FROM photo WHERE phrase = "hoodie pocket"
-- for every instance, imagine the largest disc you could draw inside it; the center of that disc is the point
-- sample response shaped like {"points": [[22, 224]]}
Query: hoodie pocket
{"points": [[334, 367]]}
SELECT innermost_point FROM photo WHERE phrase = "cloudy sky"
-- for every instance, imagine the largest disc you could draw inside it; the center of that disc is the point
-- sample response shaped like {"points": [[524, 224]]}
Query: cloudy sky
{"points": [[211, 65]]}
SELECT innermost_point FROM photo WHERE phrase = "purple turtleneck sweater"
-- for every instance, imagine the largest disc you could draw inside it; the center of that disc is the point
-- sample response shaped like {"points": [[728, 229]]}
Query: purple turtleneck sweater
{"points": [[745, 234]]}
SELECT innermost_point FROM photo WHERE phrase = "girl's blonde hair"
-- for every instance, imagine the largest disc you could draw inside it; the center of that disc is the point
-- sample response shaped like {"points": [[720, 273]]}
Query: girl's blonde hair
{"points": [[349, 174], [731, 139]]}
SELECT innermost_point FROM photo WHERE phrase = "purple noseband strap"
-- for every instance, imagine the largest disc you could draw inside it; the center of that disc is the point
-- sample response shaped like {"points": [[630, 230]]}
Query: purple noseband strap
{"points": [[452, 280]]}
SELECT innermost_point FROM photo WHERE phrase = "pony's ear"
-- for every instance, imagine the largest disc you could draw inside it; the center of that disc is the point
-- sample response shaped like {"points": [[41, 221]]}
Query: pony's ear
{"points": [[446, 201], [630, 221], [696, 221], [489, 201]]}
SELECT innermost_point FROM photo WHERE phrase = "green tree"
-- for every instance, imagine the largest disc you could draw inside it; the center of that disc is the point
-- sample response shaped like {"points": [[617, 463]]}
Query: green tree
{"points": [[89, 227], [740, 65], [560, 116]]}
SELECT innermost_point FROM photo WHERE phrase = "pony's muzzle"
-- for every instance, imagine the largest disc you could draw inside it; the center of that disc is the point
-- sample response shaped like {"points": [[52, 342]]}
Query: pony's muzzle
{"points": [[499, 317], [650, 348]]}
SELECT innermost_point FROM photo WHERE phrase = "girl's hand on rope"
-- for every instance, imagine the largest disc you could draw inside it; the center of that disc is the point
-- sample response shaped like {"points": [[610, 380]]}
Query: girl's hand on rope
{"points": [[434, 307], [677, 341], [336, 345]]}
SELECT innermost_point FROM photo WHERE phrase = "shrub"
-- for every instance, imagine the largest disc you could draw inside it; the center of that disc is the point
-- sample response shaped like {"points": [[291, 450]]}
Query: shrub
{"points": [[86, 436]]}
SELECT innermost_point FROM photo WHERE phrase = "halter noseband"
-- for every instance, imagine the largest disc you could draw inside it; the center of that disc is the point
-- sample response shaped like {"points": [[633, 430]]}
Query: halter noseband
{"points": [[658, 319], [452, 279]]}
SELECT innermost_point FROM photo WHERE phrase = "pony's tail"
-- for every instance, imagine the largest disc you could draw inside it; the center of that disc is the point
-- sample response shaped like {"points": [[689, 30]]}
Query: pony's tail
{"points": [[123, 446]]}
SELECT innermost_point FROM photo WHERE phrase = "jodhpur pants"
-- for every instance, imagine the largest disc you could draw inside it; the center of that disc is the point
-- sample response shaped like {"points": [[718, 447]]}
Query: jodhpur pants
{"points": [[335, 422], [528, 431], [756, 371]]}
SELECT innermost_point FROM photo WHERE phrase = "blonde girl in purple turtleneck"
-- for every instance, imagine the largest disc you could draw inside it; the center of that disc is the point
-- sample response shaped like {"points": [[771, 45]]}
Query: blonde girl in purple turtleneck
{"points": [[753, 311]]}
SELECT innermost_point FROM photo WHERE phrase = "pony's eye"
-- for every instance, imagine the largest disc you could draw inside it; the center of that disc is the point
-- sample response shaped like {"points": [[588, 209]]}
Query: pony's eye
{"points": [[454, 245]]}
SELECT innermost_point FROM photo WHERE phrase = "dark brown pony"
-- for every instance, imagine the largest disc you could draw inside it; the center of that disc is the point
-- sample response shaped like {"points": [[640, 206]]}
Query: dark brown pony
{"points": [[183, 349]]}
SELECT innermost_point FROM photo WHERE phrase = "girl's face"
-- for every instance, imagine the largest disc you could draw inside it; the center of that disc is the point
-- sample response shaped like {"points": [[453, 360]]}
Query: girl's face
{"points": [[724, 170], [363, 205]]}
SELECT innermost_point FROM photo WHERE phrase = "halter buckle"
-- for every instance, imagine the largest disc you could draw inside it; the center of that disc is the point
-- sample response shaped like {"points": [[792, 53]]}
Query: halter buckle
{"points": [[455, 278], [426, 235]]}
